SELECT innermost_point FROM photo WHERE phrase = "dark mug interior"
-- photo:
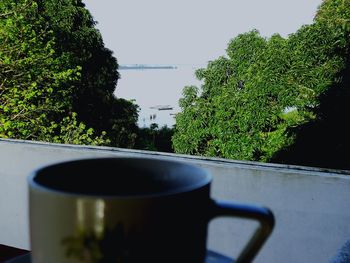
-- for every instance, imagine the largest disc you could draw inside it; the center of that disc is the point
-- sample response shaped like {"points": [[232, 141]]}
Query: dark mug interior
{"points": [[120, 176]]}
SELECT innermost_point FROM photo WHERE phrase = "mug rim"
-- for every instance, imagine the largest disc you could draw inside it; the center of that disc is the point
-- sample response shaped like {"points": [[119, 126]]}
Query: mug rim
{"points": [[33, 184]]}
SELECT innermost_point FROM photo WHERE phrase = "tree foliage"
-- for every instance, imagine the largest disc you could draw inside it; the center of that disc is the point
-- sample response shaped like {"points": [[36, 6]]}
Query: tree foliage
{"points": [[35, 83], [324, 141], [155, 138], [254, 101], [56, 77], [93, 98]]}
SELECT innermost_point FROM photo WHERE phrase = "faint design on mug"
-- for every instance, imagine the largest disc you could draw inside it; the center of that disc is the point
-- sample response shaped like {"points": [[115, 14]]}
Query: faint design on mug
{"points": [[114, 245]]}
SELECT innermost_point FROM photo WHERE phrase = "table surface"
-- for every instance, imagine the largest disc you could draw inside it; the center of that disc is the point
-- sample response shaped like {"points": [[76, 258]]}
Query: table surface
{"points": [[212, 257]]}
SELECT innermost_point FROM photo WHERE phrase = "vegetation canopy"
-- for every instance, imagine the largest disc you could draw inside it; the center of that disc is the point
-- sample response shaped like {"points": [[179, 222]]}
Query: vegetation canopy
{"points": [[275, 99], [56, 77]]}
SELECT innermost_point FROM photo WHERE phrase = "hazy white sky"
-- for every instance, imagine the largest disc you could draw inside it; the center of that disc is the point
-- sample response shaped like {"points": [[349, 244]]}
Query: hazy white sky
{"points": [[190, 31], [183, 32]]}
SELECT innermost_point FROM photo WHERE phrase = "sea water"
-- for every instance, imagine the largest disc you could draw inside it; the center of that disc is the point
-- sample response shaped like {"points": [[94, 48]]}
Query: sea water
{"points": [[156, 92]]}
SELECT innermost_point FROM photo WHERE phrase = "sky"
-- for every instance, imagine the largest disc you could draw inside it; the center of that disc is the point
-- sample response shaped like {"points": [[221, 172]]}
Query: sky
{"points": [[190, 31], [187, 33]]}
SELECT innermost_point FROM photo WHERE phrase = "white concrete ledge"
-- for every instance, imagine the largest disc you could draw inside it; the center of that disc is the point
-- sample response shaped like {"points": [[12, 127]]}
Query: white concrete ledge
{"points": [[311, 205]]}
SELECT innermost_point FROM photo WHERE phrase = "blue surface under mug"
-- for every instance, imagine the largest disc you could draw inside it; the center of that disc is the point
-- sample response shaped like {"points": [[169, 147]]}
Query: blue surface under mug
{"points": [[129, 209]]}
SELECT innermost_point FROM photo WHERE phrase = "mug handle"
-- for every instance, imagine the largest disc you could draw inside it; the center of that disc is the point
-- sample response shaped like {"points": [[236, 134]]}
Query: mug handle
{"points": [[261, 214]]}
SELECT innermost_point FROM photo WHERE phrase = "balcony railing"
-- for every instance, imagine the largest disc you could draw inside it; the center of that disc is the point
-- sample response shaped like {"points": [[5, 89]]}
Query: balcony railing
{"points": [[311, 205]]}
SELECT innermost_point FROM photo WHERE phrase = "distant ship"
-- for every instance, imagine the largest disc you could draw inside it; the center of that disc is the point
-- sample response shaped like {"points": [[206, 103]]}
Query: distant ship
{"points": [[162, 107], [145, 66]]}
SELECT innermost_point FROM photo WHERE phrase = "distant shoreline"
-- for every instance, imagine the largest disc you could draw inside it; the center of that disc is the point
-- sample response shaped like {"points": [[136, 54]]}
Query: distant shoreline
{"points": [[144, 67]]}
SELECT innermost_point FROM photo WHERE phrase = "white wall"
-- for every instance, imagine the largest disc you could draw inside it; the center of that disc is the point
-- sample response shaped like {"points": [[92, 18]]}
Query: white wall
{"points": [[311, 206]]}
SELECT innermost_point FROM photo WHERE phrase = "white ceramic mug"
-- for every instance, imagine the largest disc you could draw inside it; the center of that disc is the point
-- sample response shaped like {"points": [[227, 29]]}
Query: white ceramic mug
{"points": [[129, 210]]}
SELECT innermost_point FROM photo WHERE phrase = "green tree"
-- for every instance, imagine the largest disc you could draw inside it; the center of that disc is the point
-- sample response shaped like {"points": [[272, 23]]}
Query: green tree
{"points": [[52, 64], [324, 141], [254, 101], [236, 113], [93, 97], [155, 138], [35, 84]]}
